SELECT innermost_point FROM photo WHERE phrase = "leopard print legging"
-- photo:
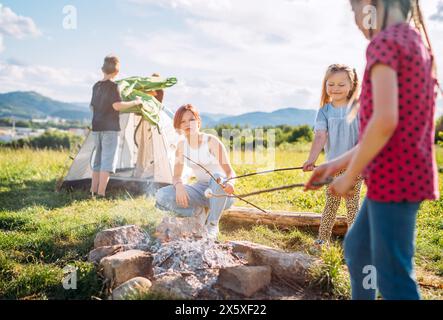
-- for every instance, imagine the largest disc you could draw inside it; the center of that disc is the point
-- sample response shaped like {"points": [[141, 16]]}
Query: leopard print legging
{"points": [[331, 208]]}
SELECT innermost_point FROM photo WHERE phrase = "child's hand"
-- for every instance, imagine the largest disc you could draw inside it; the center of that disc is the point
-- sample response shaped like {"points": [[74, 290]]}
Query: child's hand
{"points": [[309, 166], [321, 174], [138, 101], [343, 186]]}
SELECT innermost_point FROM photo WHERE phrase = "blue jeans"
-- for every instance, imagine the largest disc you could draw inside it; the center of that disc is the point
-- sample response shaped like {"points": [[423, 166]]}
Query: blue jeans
{"points": [[166, 200], [383, 238]]}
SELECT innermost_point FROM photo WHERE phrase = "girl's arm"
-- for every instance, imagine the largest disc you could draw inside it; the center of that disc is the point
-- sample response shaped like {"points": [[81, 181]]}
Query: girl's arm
{"points": [[383, 122], [330, 168], [317, 146]]}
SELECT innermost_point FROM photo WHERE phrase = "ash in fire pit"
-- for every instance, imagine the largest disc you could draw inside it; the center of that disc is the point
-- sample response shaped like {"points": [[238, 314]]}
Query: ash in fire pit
{"points": [[192, 265], [195, 267]]}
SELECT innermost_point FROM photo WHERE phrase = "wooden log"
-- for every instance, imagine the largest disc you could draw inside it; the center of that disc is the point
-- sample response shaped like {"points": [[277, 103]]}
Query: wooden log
{"points": [[282, 219]]}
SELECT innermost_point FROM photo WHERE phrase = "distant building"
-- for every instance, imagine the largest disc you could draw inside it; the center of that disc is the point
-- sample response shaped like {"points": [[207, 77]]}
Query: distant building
{"points": [[55, 120], [8, 134]]}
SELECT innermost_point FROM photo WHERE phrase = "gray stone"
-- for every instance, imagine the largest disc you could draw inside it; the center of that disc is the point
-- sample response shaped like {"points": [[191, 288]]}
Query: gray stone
{"points": [[126, 265], [121, 235], [294, 265], [176, 228], [96, 255], [245, 280], [177, 286], [131, 288]]}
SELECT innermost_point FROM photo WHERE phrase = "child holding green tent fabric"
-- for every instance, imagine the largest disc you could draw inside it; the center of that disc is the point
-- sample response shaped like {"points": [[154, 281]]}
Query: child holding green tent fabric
{"points": [[106, 103]]}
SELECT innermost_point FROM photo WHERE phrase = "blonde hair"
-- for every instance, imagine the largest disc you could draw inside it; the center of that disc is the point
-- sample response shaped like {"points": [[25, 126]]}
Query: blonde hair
{"points": [[111, 64], [353, 78]]}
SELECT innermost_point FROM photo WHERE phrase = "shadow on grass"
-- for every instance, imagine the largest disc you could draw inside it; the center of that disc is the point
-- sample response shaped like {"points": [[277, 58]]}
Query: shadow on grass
{"points": [[57, 245], [31, 193], [230, 227], [44, 281], [291, 239]]}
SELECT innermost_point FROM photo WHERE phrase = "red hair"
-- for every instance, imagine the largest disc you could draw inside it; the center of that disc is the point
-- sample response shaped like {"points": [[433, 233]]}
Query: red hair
{"points": [[181, 111]]}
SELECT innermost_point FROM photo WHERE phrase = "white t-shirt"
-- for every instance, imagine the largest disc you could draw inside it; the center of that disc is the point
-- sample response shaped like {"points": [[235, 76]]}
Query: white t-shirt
{"points": [[205, 158]]}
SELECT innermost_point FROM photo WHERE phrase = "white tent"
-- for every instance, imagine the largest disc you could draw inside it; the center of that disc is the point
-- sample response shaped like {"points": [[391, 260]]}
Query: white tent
{"points": [[145, 155]]}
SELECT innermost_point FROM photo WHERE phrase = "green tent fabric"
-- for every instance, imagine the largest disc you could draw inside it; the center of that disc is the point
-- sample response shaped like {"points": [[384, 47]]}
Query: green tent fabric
{"points": [[132, 87]]}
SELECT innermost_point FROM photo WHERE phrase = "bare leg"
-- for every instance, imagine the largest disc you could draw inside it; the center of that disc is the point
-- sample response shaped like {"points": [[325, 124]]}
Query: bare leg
{"points": [[95, 180], [103, 183]]}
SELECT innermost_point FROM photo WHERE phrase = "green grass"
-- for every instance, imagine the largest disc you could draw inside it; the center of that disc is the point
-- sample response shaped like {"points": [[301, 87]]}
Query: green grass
{"points": [[292, 240], [330, 276], [42, 231], [291, 200]]}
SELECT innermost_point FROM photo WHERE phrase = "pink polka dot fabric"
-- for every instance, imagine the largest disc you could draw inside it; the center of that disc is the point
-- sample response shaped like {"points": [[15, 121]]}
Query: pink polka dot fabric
{"points": [[405, 170]]}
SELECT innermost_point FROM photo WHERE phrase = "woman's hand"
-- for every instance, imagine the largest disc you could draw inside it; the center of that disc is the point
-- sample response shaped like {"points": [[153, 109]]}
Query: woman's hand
{"points": [[181, 196], [343, 186], [309, 166], [229, 188], [321, 174]]}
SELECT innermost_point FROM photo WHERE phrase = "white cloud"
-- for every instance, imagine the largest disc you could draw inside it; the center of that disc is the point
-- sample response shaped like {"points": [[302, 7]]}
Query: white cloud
{"points": [[438, 15], [17, 26], [275, 52], [58, 83], [218, 81], [229, 56]]}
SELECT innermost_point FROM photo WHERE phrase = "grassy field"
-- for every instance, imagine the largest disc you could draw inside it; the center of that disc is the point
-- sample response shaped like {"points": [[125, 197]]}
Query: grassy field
{"points": [[42, 231]]}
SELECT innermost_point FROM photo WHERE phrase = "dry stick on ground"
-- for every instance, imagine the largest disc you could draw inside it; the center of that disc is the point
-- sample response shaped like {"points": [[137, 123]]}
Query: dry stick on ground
{"points": [[282, 219], [432, 286]]}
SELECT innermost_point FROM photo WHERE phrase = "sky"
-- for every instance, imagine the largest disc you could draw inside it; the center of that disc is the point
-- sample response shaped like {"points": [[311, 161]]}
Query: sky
{"points": [[229, 56]]}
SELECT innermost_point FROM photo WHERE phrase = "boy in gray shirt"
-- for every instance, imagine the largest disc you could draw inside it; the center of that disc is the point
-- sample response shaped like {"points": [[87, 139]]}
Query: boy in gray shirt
{"points": [[106, 103]]}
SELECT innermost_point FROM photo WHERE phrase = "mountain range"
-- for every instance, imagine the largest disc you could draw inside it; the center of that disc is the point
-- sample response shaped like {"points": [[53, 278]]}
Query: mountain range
{"points": [[32, 105], [288, 116]]}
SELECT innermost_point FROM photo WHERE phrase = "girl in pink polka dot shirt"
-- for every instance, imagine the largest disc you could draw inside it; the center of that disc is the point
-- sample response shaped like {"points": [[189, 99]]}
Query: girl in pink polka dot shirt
{"points": [[395, 153]]}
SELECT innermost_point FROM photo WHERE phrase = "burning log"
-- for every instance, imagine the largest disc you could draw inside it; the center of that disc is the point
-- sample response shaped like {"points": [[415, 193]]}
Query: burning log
{"points": [[282, 219]]}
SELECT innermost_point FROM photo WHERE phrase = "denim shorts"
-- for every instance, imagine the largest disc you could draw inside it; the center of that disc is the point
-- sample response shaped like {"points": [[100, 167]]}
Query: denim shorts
{"points": [[106, 145]]}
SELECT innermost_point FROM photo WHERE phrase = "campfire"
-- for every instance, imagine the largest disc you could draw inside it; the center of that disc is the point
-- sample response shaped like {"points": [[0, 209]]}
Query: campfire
{"points": [[182, 262]]}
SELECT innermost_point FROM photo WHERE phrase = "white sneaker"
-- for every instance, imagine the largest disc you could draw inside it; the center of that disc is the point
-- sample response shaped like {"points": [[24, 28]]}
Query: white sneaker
{"points": [[212, 231]]}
